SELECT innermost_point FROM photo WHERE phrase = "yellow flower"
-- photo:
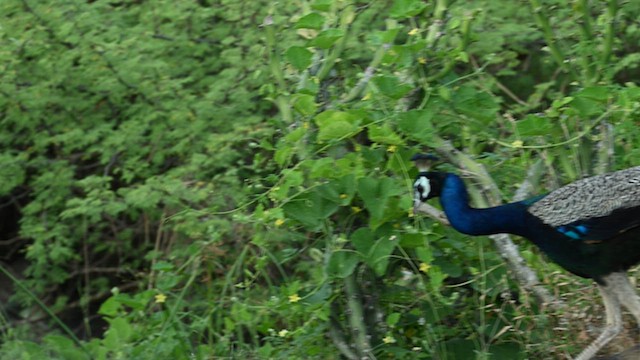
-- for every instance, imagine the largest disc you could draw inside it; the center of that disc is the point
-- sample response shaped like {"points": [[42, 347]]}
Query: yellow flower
{"points": [[424, 267], [305, 125], [294, 298], [517, 144], [356, 209], [279, 222], [392, 148], [389, 339], [160, 298], [283, 332], [414, 31], [422, 60]]}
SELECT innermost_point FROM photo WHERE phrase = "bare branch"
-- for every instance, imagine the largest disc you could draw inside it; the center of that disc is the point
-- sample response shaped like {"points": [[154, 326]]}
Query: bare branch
{"points": [[356, 319], [432, 212], [604, 149]]}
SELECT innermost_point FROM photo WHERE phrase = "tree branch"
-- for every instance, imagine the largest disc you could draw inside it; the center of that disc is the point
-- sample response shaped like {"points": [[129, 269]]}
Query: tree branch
{"points": [[339, 340], [356, 319]]}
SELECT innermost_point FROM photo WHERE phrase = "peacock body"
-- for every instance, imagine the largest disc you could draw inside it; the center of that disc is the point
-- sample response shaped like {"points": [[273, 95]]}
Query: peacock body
{"points": [[590, 227]]}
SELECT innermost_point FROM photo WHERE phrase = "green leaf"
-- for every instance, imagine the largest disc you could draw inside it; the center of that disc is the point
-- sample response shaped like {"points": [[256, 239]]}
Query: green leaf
{"points": [[407, 8], [137, 302], [534, 125], [376, 252], [362, 240], [322, 5], [336, 125], [283, 154], [460, 349], [339, 191], [449, 268], [12, 172], [310, 21], [119, 330], [337, 130], [436, 278], [305, 104], [65, 347], [229, 324], [591, 101], [424, 254], [167, 281], [587, 107], [508, 350], [444, 92], [411, 241], [391, 86], [475, 104], [286, 146], [163, 266], [342, 263], [327, 38], [299, 57], [393, 319], [290, 179], [375, 193], [263, 352], [110, 307], [416, 124], [383, 134], [596, 93], [389, 35], [320, 295], [322, 168], [311, 209], [562, 102]]}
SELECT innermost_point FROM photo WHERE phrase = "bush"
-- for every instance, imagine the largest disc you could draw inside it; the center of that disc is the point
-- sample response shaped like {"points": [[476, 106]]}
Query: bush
{"points": [[234, 179]]}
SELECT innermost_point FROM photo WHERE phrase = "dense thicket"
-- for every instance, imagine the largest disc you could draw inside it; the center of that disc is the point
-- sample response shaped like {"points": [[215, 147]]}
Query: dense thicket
{"points": [[232, 178]]}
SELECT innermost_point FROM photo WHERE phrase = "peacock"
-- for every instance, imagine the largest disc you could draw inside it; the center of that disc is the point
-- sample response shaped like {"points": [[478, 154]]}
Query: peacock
{"points": [[590, 227]]}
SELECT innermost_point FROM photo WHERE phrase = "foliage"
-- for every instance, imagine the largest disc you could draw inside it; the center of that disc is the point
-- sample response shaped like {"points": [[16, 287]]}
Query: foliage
{"points": [[220, 178]]}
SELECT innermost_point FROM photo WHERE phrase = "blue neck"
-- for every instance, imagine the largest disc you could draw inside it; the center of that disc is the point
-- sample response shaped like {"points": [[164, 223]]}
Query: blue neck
{"points": [[509, 218]]}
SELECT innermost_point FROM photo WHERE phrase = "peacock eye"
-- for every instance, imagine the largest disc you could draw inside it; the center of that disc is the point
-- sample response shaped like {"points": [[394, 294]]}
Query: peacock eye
{"points": [[422, 188]]}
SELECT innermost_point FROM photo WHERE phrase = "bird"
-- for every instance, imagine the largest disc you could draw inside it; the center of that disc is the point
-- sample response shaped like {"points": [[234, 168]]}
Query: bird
{"points": [[590, 227]]}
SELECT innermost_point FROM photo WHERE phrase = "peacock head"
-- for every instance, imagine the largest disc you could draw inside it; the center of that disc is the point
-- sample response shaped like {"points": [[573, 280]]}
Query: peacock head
{"points": [[428, 185]]}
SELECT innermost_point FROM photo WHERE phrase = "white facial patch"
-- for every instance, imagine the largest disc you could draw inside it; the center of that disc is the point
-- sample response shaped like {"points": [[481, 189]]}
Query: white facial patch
{"points": [[422, 188]]}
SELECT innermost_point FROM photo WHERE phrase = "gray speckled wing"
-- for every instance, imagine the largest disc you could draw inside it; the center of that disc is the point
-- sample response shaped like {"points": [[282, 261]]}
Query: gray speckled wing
{"points": [[592, 197]]}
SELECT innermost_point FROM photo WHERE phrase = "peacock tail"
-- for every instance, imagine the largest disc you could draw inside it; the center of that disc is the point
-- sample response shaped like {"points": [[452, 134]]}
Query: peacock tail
{"points": [[593, 197]]}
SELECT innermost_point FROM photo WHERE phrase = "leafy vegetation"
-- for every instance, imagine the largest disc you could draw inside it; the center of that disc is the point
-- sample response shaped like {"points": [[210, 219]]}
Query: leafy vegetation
{"points": [[226, 178]]}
